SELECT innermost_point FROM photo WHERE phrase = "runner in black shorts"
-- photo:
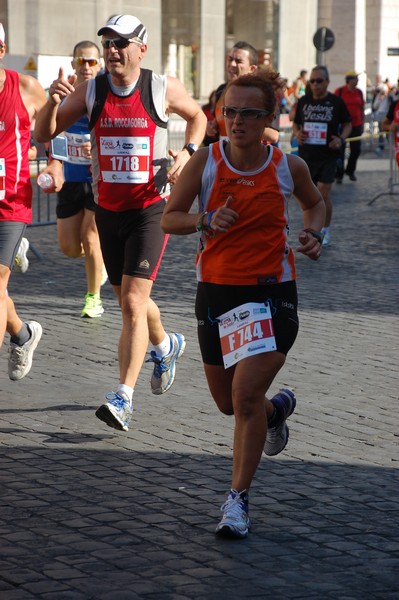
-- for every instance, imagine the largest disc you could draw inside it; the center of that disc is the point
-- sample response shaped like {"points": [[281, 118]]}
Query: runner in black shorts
{"points": [[76, 227], [321, 125], [244, 261], [214, 300]]}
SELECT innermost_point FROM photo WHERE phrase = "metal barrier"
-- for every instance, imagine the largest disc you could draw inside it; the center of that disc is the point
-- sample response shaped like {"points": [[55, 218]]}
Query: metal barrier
{"points": [[393, 180], [43, 204]]}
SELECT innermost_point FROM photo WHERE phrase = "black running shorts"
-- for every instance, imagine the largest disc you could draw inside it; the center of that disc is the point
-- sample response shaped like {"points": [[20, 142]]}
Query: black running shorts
{"points": [[132, 241], [214, 300]]}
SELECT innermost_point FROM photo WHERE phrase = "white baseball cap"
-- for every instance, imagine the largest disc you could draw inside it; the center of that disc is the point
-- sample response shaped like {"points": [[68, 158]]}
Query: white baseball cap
{"points": [[125, 26], [2, 34]]}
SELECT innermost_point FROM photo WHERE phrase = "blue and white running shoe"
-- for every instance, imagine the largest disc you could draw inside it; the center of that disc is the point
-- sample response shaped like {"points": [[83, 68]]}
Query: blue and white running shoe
{"points": [[117, 411], [235, 522], [278, 433], [164, 372]]}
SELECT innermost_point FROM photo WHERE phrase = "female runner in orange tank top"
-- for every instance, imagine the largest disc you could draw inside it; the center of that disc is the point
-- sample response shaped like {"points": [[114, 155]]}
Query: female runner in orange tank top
{"points": [[244, 257]]}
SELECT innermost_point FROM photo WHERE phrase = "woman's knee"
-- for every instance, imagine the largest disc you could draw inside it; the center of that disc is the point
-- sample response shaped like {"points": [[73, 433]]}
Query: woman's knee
{"points": [[224, 404]]}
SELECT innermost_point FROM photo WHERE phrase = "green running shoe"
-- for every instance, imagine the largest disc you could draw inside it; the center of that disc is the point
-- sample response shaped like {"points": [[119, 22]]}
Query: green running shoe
{"points": [[93, 306]]}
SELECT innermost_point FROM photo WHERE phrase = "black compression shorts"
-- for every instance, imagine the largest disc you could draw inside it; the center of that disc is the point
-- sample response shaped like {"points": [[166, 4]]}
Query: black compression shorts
{"points": [[132, 241], [11, 233], [73, 197], [214, 300]]}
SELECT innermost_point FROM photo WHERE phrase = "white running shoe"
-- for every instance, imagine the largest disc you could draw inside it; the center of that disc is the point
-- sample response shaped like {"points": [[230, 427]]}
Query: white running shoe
{"points": [[21, 260], [117, 411], [20, 357], [235, 522], [164, 372]]}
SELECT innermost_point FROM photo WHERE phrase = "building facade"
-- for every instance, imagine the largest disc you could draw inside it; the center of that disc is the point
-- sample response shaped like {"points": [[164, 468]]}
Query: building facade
{"points": [[189, 38]]}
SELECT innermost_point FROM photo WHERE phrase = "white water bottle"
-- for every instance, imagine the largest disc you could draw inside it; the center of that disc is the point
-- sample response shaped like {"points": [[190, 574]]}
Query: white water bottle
{"points": [[45, 181]]}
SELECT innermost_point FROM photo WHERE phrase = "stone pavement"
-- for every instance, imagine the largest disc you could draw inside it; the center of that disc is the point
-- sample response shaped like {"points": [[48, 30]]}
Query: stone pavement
{"points": [[90, 513]]}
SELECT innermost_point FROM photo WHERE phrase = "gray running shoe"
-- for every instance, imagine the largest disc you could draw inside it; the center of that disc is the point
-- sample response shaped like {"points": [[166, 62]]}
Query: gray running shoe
{"points": [[117, 411], [165, 367], [20, 357]]}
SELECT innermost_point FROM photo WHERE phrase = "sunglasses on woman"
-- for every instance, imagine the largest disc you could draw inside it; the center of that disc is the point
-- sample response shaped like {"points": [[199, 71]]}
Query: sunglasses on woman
{"points": [[81, 60]]}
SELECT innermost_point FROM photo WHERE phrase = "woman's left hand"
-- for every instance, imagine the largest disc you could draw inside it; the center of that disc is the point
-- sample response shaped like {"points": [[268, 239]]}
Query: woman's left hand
{"points": [[310, 246], [224, 217]]}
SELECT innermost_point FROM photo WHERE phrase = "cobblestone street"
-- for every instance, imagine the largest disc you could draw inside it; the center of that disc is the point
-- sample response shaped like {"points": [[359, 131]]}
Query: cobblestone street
{"points": [[91, 513]]}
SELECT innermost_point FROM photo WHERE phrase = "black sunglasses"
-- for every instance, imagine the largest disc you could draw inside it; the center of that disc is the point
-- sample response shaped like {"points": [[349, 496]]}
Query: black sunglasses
{"points": [[249, 114], [119, 43], [317, 80]]}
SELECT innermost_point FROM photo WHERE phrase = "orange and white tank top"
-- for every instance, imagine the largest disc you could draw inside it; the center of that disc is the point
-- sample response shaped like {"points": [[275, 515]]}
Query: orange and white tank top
{"points": [[255, 251]]}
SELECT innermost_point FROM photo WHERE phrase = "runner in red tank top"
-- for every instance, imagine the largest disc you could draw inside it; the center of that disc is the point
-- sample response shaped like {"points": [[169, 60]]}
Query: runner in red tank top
{"points": [[246, 303], [128, 109], [21, 97]]}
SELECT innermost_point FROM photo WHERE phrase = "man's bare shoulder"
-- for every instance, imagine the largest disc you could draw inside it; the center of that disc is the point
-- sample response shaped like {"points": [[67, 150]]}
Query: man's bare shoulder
{"points": [[29, 83], [32, 93]]}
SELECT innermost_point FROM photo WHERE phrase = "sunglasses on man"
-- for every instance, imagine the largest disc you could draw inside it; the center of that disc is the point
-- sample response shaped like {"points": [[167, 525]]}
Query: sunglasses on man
{"points": [[120, 43], [248, 114], [317, 80], [81, 60]]}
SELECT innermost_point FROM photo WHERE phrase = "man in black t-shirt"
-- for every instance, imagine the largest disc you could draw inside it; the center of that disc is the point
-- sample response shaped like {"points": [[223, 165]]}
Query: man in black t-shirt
{"points": [[391, 123], [322, 123]]}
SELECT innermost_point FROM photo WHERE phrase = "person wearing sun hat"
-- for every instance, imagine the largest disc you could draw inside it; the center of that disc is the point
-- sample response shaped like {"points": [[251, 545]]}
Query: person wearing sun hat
{"points": [[128, 108], [354, 101], [21, 97]]}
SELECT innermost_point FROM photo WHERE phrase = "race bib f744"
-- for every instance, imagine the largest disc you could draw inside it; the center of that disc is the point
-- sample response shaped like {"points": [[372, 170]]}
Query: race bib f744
{"points": [[245, 331]]}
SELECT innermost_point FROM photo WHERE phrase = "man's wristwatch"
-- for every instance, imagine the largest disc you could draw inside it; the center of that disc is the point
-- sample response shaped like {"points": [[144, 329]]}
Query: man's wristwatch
{"points": [[191, 148]]}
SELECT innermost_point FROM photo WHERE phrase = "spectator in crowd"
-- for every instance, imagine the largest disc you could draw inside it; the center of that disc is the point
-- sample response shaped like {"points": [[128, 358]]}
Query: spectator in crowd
{"points": [[354, 101], [391, 124], [300, 84], [380, 107]]}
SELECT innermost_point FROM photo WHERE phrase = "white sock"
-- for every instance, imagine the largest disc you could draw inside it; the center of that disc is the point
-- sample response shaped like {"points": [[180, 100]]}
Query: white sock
{"points": [[164, 347], [125, 389]]}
